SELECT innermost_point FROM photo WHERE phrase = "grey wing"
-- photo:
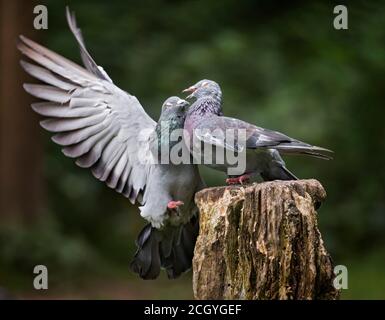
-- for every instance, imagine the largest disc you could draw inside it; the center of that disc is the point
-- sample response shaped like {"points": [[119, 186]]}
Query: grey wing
{"points": [[217, 131], [103, 127], [237, 135], [88, 61], [265, 138], [231, 134]]}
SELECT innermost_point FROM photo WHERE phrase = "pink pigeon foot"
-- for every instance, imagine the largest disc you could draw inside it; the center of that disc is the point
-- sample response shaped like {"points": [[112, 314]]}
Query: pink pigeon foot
{"points": [[174, 204], [239, 180]]}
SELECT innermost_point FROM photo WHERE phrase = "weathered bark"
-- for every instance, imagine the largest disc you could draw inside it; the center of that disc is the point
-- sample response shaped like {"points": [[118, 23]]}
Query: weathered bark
{"points": [[261, 241]]}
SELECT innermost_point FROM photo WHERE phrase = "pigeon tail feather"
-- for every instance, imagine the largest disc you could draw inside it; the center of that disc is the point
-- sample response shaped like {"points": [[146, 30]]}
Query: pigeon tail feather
{"points": [[171, 248], [304, 149]]}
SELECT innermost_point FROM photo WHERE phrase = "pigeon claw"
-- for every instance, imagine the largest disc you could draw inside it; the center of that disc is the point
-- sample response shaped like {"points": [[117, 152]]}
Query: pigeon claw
{"points": [[239, 180], [175, 204]]}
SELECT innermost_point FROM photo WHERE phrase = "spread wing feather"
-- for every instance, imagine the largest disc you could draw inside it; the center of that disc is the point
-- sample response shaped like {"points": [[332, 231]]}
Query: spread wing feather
{"points": [[94, 121], [88, 61]]}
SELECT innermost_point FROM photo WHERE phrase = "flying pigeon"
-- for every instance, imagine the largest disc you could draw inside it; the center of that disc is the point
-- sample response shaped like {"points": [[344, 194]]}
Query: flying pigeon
{"points": [[107, 130], [261, 147]]}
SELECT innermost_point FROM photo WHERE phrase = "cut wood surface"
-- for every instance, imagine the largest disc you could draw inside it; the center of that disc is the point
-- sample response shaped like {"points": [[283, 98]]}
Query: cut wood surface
{"points": [[261, 241]]}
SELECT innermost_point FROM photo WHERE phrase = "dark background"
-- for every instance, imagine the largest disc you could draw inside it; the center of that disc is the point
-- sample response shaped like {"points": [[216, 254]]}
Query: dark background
{"points": [[280, 66]]}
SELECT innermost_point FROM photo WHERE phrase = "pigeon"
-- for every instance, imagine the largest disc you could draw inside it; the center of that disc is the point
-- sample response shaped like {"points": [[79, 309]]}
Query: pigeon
{"points": [[107, 130], [261, 148]]}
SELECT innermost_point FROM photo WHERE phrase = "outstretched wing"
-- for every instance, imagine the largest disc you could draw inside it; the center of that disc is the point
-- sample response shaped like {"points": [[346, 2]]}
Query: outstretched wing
{"points": [[88, 61], [103, 127], [237, 135]]}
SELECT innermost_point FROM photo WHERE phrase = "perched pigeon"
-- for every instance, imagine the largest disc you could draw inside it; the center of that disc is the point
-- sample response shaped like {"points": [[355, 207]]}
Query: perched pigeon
{"points": [[261, 147], [108, 131]]}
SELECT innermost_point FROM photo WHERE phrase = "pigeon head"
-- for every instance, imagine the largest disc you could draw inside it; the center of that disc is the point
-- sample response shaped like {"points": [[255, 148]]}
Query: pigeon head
{"points": [[173, 113], [172, 118], [174, 105], [204, 88], [205, 92]]}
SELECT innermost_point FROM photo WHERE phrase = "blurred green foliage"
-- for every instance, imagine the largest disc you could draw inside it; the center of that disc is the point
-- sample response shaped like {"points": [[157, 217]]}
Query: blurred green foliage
{"points": [[281, 66]]}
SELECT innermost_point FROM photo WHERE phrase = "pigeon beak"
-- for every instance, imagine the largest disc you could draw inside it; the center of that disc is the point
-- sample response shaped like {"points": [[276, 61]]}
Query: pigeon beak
{"points": [[190, 89], [190, 96], [182, 102]]}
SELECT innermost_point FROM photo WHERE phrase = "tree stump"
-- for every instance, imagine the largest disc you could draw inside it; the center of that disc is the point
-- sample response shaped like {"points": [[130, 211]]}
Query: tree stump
{"points": [[261, 241]]}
